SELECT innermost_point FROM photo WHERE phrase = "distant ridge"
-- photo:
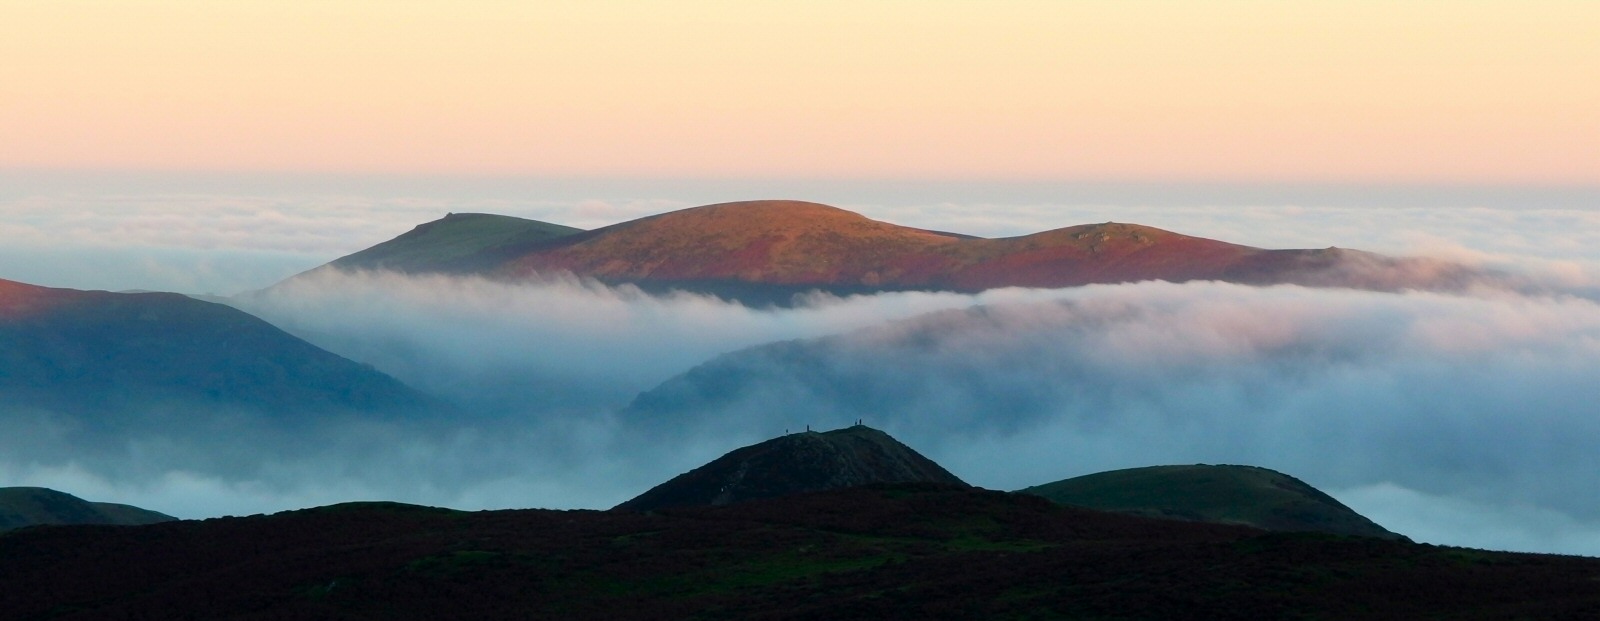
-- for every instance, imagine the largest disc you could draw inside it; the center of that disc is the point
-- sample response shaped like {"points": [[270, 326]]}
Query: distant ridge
{"points": [[1246, 495], [33, 506], [793, 463], [766, 251]]}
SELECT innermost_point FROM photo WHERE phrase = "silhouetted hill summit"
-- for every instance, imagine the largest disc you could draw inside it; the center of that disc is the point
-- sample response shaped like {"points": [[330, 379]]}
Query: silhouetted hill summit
{"points": [[793, 463], [1247, 495]]}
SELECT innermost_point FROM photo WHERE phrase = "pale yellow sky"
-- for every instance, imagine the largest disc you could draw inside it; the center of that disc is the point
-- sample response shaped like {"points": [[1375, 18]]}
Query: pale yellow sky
{"points": [[1455, 91]]}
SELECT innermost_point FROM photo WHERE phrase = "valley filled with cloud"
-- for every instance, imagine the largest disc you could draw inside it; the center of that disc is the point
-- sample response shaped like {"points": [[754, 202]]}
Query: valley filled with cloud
{"points": [[1462, 417]]}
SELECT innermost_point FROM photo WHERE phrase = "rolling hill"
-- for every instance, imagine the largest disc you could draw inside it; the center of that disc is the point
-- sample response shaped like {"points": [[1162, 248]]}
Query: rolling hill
{"points": [[766, 251], [793, 463], [33, 506], [457, 243], [100, 355], [901, 551], [1245, 495]]}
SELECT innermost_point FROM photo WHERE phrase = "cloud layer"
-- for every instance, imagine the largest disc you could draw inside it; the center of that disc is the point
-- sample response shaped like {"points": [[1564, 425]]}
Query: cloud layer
{"points": [[1414, 407], [1462, 418], [1483, 400], [1417, 408]]}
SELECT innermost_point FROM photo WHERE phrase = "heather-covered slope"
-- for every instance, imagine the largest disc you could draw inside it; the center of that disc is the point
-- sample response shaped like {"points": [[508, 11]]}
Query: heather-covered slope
{"points": [[96, 354], [774, 242], [907, 551], [793, 463], [795, 243], [1245, 495], [31, 506], [766, 251]]}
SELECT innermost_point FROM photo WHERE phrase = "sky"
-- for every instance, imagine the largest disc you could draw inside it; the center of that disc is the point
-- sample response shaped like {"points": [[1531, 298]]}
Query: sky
{"points": [[1363, 91], [219, 148]]}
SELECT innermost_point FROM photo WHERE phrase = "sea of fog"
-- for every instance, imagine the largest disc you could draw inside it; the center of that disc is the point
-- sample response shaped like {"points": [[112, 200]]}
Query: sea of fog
{"points": [[1467, 418]]}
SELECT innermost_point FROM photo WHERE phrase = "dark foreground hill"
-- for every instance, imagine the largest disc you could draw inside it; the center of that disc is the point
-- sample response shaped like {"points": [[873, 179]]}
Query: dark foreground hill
{"points": [[909, 551], [100, 355], [1245, 495], [31, 506], [767, 251], [795, 463]]}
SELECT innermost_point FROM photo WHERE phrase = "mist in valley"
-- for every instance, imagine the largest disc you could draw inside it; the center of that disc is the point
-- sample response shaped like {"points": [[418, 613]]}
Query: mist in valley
{"points": [[1464, 417]]}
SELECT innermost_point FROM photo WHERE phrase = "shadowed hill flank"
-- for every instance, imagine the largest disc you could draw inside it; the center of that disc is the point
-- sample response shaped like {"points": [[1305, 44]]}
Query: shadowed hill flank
{"points": [[1221, 494], [766, 251], [31, 506], [459, 242], [794, 463], [96, 353]]}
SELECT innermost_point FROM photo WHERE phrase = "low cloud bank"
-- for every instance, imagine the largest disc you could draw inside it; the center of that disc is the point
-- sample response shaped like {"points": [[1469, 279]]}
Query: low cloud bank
{"points": [[1465, 419], [1437, 519], [1484, 400], [224, 243], [248, 467], [504, 348]]}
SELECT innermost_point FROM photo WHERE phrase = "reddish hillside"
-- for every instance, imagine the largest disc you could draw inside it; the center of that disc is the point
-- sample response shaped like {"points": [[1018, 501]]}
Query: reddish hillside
{"points": [[1093, 253], [18, 300], [798, 244], [779, 242], [767, 251]]}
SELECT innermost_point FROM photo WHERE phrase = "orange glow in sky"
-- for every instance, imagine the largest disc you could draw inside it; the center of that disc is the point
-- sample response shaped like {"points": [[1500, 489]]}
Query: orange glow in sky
{"points": [[1485, 91]]}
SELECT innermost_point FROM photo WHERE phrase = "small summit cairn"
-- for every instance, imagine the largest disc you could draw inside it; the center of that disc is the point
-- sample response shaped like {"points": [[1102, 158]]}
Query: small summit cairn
{"points": [[793, 464]]}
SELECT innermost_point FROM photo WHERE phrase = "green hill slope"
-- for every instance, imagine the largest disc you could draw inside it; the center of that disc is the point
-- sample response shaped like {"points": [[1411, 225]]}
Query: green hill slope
{"points": [[1220, 494], [30, 506], [459, 242]]}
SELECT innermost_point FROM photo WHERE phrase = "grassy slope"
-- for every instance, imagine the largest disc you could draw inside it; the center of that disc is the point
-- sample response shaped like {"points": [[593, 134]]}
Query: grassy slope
{"points": [[28, 506], [765, 252], [457, 242], [882, 552], [1223, 494]]}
